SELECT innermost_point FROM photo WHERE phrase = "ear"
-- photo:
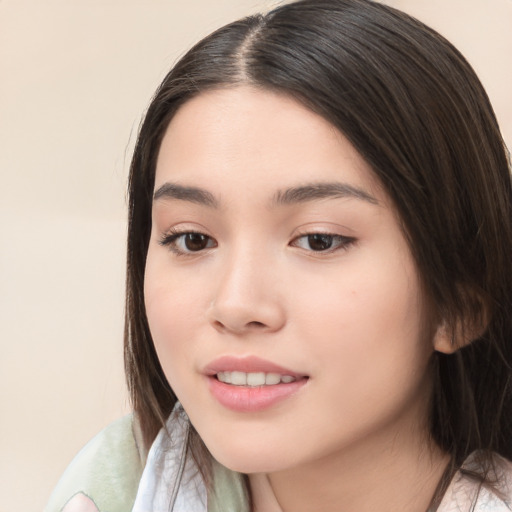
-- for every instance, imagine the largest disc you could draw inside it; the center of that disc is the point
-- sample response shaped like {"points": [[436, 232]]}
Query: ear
{"points": [[444, 341], [450, 338]]}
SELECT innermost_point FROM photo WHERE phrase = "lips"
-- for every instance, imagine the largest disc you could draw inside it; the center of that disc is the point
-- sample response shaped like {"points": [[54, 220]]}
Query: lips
{"points": [[250, 364], [251, 384]]}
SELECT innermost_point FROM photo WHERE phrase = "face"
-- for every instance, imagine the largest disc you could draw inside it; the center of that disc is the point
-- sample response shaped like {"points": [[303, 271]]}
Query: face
{"points": [[281, 295]]}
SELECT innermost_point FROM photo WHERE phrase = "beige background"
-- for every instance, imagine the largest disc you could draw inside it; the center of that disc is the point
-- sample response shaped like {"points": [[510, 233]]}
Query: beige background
{"points": [[75, 77]]}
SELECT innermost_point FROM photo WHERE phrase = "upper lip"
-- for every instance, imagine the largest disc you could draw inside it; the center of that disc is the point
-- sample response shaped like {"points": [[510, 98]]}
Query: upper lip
{"points": [[247, 364]]}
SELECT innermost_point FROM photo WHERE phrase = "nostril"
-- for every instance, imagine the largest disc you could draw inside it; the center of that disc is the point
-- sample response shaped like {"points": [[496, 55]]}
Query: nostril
{"points": [[256, 324], [218, 325]]}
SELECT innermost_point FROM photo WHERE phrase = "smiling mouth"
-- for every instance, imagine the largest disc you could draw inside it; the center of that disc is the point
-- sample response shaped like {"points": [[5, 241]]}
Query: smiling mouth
{"points": [[251, 384], [254, 379]]}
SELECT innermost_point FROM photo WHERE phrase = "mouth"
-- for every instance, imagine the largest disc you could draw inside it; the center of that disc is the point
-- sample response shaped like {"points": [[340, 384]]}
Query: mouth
{"points": [[254, 379], [251, 384], [250, 371]]}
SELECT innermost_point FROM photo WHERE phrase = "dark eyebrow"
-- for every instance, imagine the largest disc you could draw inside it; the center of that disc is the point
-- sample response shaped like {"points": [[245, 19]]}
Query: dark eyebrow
{"points": [[314, 191], [180, 192]]}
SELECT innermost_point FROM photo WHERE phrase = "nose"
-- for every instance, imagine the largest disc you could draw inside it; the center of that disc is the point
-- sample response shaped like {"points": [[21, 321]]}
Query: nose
{"points": [[247, 298]]}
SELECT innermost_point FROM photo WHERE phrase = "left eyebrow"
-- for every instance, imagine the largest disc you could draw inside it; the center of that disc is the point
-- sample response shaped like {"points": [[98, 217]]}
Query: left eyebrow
{"points": [[315, 191], [183, 193]]}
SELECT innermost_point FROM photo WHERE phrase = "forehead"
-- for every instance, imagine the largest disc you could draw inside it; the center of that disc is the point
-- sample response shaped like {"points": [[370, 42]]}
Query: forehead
{"points": [[250, 137]]}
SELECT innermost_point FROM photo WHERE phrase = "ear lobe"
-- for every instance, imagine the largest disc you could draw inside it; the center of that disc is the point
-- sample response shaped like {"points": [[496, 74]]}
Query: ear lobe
{"points": [[448, 339], [444, 340]]}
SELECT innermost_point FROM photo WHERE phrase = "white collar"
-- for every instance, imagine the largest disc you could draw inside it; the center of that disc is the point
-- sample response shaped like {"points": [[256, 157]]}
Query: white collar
{"points": [[464, 494], [170, 480]]}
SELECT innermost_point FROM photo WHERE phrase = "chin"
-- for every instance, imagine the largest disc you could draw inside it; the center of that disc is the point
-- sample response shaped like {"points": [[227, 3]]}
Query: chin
{"points": [[249, 460]]}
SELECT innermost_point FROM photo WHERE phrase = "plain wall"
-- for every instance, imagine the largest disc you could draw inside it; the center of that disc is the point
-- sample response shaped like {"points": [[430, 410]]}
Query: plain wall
{"points": [[75, 78]]}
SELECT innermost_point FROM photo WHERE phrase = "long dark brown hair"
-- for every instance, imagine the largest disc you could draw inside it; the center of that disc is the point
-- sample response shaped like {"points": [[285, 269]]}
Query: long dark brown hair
{"points": [[416, 112]]}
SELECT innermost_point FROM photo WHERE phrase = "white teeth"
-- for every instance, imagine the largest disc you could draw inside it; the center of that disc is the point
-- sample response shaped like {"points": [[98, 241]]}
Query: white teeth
{"points": [[224, 377], [238, 378], [254, 379], [272, 379]]}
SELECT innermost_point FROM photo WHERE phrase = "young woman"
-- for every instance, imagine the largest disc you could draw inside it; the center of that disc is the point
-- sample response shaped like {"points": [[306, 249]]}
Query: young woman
{"points": [[319, 291]]}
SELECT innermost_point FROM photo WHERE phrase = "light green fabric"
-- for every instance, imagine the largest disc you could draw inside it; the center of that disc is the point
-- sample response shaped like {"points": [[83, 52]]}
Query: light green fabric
{"points": [[229, 494], [107, 469]]}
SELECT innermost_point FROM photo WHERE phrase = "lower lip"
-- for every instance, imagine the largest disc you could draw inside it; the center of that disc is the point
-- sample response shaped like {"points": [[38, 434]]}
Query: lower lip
{"points": [[252, 399]]}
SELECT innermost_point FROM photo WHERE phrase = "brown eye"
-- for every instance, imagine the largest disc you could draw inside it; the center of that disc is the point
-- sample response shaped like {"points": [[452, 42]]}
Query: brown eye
{"points": [[195, 241], [187, 242], [320, 242]]}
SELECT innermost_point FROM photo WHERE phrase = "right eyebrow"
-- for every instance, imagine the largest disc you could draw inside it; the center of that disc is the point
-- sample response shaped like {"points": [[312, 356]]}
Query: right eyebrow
{"points": [[182, 193], [316, 191]]}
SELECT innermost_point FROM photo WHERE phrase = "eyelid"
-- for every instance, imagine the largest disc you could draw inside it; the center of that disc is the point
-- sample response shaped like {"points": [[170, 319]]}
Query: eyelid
{"points": [[344, 241], [172, 235]]}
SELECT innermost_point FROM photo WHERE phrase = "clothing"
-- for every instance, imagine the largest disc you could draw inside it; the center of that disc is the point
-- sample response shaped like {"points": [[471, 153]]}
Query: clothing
{"points": [[170, 480], [111, 472], [463, 491], [107, 469]]}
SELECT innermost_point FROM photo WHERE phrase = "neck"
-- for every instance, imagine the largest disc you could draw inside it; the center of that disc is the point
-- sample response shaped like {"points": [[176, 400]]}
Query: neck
{"points": [[400, 476]]}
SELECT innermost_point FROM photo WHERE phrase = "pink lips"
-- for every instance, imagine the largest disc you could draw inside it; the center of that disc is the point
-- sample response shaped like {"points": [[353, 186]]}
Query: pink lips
{"points": [[245, 398], [247, 365]]}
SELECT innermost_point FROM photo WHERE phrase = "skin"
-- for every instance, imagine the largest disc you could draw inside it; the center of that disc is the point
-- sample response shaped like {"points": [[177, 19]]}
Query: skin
{"points": [[352, 318]]}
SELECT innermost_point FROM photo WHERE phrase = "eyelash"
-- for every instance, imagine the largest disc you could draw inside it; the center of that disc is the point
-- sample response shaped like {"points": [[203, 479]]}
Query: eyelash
{"points": [[172, 238], [340, 242]]}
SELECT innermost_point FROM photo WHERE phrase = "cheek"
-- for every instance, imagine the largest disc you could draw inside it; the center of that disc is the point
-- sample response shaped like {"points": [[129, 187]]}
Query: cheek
{"points": [[368, 320], [380, 298], [172, 324], [367, 345], [173, 311]]}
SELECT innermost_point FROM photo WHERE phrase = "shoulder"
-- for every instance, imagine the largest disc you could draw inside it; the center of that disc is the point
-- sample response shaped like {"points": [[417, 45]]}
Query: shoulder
{"points": [[503, 489], [466, 494], [104, 475]]}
